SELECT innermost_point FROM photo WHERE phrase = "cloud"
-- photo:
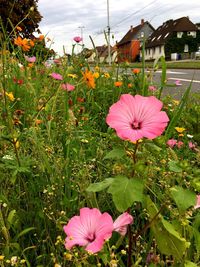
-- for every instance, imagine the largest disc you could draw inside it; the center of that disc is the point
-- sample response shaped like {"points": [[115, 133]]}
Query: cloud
{"points": [[62, 19]]}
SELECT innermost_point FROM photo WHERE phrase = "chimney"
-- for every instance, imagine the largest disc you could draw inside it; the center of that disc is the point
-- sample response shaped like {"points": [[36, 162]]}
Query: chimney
{"points": [[142, 21], [131, 28]]}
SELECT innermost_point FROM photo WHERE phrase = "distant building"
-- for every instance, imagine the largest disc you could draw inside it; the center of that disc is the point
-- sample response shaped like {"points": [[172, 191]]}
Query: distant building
{"points": [[174, 39], [101, 53], [128, 47]]}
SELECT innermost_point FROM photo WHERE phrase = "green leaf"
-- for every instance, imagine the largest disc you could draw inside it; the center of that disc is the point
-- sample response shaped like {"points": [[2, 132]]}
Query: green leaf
{"points": [[184, 198], [177, 112], [116, 153], [25, 231], [125, 191], [173, 166], [167, 238], [190, 264], [100, 186], [11, 217]]}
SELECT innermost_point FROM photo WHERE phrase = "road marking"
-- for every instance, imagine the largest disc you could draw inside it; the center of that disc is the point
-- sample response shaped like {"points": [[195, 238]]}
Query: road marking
{"points": [[172, 72], [184, 80]]}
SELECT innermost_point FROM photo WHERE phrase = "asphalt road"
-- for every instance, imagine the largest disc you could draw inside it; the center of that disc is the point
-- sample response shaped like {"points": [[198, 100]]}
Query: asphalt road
{"points": [[185, 76]]}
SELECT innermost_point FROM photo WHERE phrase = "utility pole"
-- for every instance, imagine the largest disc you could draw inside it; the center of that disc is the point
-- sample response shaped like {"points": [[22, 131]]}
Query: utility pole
{"points": [[82, 27], [108, 21]]}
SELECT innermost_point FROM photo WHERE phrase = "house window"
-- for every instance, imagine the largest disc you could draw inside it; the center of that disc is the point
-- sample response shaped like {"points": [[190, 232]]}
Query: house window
{"points": [[159, 37], [179, 34], [186, 48]]}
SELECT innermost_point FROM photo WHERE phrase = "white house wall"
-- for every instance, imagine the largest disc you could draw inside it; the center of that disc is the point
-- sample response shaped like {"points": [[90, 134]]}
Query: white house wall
{"points": [[154, 53]]}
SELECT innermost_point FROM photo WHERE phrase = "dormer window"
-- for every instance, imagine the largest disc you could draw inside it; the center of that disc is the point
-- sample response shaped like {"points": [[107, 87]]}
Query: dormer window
{"points": [[166, 35], [159, 37], [193, 34], [179, 34]]}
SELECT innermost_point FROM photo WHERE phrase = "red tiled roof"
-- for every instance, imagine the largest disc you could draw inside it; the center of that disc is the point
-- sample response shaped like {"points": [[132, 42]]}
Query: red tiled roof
{"points": [[130, 35]]}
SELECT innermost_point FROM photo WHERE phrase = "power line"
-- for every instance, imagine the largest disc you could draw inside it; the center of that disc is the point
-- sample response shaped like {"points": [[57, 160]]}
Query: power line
{"points": [[133, 13]]}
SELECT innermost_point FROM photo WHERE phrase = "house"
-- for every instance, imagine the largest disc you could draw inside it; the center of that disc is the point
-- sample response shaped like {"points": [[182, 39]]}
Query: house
{"points": [[174, 39], [129, 46], [102, 54]]}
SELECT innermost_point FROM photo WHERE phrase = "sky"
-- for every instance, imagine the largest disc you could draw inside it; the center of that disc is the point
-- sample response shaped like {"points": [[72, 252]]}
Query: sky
{"points": [[64, 19]]}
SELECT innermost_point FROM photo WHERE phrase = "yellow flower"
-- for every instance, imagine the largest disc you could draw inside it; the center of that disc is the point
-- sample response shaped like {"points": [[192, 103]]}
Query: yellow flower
{"points": [[176, 102], [10, 96], [16, 143], [89, 79], [2, 257], [138, 141], [179, 129], [97, 68], [181, 135], [72, 75], [106, 75], [68, 256], [96, 75]]}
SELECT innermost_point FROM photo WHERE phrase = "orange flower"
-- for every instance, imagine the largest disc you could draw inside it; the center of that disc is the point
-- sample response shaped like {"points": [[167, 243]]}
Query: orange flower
{"points": [[89, 78], [136, 71], [31, 43], [19, 28], [118, 83], [130, 85], [41, 37], [22, 42]]}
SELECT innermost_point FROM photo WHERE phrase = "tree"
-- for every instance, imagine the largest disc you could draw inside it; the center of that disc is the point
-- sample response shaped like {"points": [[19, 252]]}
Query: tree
{"points": [[21, 13]]}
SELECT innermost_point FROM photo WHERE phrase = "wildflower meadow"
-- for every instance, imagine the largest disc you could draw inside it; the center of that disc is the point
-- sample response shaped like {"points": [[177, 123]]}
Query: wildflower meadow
{"points": [[97, 166]]}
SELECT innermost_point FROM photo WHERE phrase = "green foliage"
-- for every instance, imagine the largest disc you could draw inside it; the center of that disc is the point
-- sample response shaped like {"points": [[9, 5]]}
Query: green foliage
{"points": [[184, 198], [24, 14], [168, 239], [126, 191], [56, 150]]}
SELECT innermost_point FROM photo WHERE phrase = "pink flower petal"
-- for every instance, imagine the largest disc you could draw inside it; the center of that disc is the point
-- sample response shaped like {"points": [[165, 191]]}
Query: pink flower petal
{"points": [[122, 222], [135, 117], [56, 76], [68, 87], [197, 206], [90, 229]]}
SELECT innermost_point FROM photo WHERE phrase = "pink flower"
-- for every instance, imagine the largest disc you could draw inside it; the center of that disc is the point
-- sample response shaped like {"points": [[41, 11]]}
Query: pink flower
{"points": [[179, 144], [56, 76], [67, 87], [197, 206], [171, 142], [135, 117], [178, 83], [30, 59], [122, 222], [191, 145], [152, 88], [77, 39], [90, 230]]}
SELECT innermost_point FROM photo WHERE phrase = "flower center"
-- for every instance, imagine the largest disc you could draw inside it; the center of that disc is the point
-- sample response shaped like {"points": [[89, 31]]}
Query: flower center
{"points": [[91, 237], [136, 125]]}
